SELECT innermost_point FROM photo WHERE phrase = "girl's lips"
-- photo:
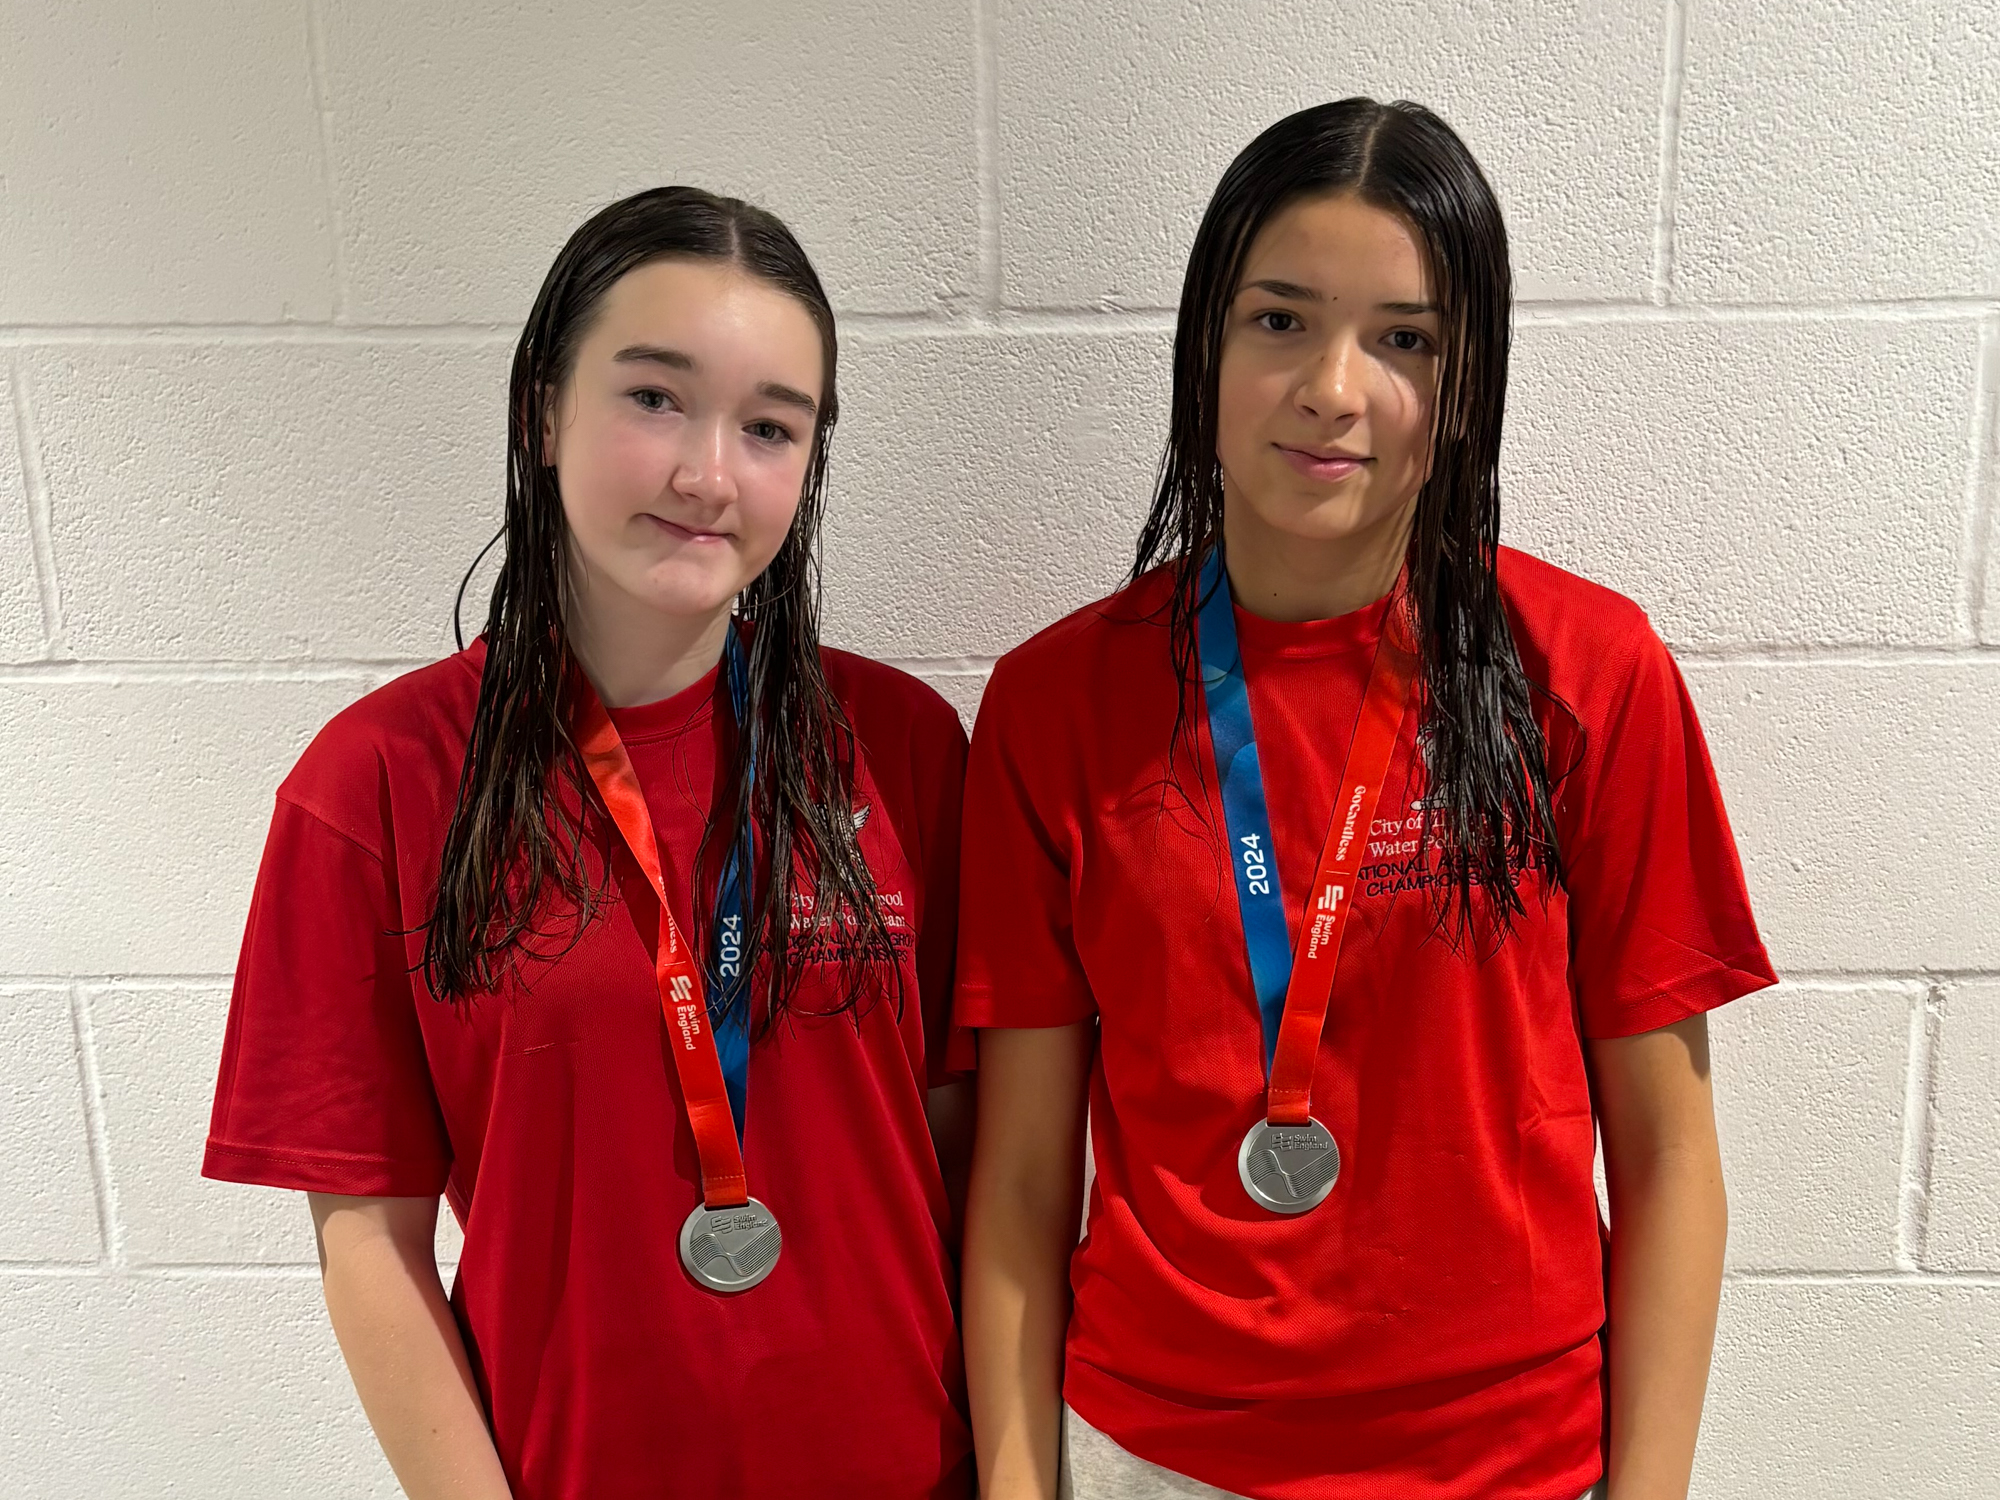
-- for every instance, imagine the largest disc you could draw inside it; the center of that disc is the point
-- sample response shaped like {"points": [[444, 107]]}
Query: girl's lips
{"points": [[686, 533], [1326, 470]]}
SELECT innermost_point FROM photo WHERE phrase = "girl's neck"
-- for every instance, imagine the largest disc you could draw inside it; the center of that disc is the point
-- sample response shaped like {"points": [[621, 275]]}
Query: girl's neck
{"points": [[633, 654], [1280, 576]]}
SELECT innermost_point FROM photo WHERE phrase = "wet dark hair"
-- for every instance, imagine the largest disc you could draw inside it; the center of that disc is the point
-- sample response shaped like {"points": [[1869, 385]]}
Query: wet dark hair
{"points": [[526, 806], [1487, 798]]}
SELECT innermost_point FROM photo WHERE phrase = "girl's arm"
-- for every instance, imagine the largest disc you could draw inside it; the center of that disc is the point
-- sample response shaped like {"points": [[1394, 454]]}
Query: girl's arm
{"points": [[1021, 1225], [379, 1267], [1669, 1219]]}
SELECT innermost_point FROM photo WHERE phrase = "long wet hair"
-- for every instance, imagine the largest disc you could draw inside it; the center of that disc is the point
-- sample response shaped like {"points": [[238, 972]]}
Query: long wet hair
{"points": [[1487, 799], [527, 811]]}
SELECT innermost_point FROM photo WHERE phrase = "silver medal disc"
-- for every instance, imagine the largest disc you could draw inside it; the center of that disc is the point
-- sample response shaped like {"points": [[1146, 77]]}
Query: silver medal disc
{"points": [[730, 1249], [1288, 1168]]}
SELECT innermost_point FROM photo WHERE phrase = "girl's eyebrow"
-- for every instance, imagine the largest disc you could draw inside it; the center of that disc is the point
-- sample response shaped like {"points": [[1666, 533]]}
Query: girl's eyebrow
{"points": [[789, 395], [1292, 291], [674, 359]]}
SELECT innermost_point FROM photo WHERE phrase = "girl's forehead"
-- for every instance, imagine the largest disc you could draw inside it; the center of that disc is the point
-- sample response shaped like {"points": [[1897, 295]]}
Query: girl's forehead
{"points": [[1329, 244], [700, 292], [710, 315]]}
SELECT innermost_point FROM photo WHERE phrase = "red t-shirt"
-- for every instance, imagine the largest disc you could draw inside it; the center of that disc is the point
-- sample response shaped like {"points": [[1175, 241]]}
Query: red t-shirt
{"points": [[1430, 1332], [549, 1113]]}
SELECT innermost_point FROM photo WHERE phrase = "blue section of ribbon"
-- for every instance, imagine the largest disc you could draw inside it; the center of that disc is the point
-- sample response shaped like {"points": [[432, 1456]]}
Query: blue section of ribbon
{"points": [[729, 997], [1246, 816]]}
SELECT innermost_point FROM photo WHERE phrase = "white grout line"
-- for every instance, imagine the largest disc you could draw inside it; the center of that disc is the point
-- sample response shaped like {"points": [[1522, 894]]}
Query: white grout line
{"points": [[116, 673], [1594, 314], [335, 227], [940, 666], [306, 1271], [1673, 81], [1836, 655], [1837, 982], [113, 672], [290, 332], [128, 984], [1913, 982], [988, 322], [109, 1221], [245, 1271], [1002, 321], [1982, 505], [1919, 981], [986, 146], [41, 516], [1919, 1105], [1862, 1278]]}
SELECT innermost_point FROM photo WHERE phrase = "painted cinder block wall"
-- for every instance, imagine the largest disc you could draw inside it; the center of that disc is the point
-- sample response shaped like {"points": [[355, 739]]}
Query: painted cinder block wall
{"points": [[261, 265]]}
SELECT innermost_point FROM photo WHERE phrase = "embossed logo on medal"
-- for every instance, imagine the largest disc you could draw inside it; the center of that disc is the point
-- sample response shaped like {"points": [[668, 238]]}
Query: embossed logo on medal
{"points": [[731, 1249], [1288, 1168]]}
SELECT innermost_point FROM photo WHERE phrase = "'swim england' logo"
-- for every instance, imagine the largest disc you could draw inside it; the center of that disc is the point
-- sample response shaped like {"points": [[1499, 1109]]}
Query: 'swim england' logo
{"points": [[861, 816]]}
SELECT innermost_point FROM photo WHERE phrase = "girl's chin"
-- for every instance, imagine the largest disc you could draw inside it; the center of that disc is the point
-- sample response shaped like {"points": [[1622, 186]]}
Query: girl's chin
{"points": [[684, 593]]}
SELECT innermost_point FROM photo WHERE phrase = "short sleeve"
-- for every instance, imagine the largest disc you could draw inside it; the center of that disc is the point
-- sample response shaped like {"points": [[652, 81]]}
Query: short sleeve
{"points": [[1660, 921], [938, 779], [324, 1085], [1017, 958]]}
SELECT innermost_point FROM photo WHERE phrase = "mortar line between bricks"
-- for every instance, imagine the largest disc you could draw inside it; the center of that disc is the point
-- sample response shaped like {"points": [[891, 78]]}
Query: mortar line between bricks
{"points": [[316, 80], [1912, 986], [106, 1188], [986, 148], [120, 982], [1862, 1278], [1915, 981], [41, 513], [1840, 655], [940, 666], [961, 322], [112, 672], [1984, 478], [1921, 979], [1913, 1216], [103, 673], [219, 1271], [288, 332], [1672, 84]]}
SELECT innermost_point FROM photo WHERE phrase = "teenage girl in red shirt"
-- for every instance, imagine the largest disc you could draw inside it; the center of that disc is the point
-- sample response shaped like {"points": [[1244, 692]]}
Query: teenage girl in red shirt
{"points": [[629, 929], [1356, 871]]}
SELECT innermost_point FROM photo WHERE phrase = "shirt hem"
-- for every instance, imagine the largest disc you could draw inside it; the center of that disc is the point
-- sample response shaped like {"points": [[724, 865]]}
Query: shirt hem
{"points": [[323, 1172], [1695, 995], [1109, 1404], [981, 1008]]}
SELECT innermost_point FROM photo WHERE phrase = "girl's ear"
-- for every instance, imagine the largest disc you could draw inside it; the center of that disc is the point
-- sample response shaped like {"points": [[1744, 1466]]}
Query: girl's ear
{"points": [[551, 404]]}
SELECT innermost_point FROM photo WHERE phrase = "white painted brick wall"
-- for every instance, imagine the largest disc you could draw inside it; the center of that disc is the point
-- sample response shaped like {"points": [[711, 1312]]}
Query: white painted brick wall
{"points": [[260, 270]]}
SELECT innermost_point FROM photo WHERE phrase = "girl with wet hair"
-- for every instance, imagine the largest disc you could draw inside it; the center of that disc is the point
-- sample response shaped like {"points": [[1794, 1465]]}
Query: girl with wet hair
{"points": [[629, 929], [1357, 872]]}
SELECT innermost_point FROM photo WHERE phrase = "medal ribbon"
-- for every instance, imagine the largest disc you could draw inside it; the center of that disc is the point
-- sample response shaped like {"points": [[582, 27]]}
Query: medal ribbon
{"points": [[1294, 987], [708, 1037]]}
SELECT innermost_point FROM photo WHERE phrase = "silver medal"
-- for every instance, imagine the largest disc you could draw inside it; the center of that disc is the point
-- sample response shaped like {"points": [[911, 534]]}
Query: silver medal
{"points": [[1288, 1168], [730, 1249]]}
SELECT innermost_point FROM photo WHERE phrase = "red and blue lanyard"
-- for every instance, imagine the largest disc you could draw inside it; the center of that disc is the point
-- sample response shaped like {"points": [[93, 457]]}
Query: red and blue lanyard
{"points": [[709, 1036], [1293, 986]]}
